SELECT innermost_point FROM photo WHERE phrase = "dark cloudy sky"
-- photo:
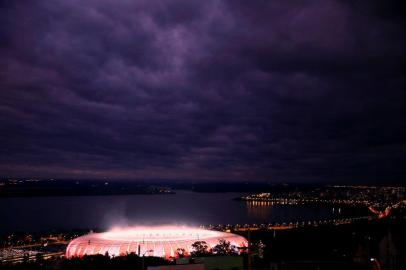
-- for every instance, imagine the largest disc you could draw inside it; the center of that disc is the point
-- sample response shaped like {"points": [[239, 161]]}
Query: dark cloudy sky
{"points": [[203, 90]]}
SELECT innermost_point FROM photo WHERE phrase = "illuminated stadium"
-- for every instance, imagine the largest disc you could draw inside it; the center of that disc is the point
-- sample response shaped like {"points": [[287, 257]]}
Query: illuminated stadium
{"points": [[161, 241]]}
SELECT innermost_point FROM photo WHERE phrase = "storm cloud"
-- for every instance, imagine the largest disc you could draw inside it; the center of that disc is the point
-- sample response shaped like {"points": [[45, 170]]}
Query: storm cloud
{"points": [[203, 90]]}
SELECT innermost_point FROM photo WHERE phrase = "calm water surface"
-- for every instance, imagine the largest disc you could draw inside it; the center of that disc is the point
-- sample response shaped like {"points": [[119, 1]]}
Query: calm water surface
{"points": [[185, 207]]}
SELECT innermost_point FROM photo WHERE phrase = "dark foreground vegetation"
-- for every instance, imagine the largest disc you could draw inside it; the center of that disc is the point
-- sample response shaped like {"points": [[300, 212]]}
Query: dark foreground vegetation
{"points": [[96, 262], [354, 246]]}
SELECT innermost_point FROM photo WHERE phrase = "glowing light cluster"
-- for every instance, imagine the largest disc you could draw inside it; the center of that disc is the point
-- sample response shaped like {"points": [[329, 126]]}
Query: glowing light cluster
{"points": [[163, 241]]}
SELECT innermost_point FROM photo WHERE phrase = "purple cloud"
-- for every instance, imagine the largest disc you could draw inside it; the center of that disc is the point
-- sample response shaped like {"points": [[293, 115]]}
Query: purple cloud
{"points": [[203, 90]]}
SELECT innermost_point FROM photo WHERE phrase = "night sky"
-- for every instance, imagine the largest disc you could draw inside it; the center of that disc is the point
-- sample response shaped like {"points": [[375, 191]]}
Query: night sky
{"points": [[292, 91]]}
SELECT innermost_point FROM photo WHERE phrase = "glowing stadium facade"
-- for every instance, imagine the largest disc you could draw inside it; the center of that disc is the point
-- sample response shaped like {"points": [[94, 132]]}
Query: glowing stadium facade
{"points": [[148, 241]]}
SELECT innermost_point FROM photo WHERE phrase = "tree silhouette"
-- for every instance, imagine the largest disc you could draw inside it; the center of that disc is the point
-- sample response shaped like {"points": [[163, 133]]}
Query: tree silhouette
{"points": [[200, 248], [223, 248], [180, 252]]}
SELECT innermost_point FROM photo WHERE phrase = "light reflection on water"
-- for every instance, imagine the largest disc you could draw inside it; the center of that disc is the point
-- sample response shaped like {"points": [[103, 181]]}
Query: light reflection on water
{"points": [[184, 207], [259, 210]]}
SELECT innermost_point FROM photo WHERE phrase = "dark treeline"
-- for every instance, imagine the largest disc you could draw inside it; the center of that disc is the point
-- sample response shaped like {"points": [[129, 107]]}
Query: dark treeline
{"points": [[77, 188], [352, 246], [330, 247], [96, 262]]}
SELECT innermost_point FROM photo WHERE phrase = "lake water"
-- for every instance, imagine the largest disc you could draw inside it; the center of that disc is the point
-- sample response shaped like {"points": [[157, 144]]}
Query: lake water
{"points": [[37, 214]]}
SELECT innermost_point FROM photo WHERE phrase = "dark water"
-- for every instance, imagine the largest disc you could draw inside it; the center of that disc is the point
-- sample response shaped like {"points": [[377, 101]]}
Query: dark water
{"points": [[84, 212]]}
